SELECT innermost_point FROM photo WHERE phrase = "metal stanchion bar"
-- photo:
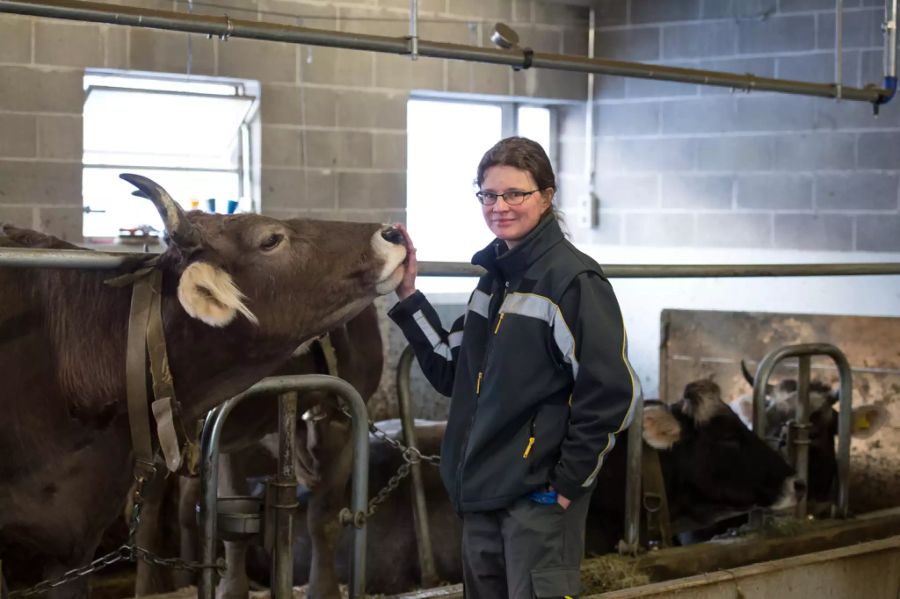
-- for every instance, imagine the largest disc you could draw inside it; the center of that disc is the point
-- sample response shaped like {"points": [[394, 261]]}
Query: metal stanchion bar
{"points": [[209, 467], [764, 371], [420, 506], [633, 480], [285, 490], [801, 440], [38, 258], [225, 27]]}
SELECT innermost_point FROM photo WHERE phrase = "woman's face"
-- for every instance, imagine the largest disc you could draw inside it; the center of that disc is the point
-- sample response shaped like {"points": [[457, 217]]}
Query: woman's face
{"points": [[512, 223]]}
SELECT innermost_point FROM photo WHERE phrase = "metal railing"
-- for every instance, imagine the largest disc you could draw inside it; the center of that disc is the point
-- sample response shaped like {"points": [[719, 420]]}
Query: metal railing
{"points": [[420, 507], [804, 352], [93, 260], [209, 476]]}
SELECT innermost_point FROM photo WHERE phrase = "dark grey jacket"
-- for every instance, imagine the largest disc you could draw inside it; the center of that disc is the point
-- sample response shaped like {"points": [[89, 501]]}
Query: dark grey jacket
{"points": [[536, 368]]}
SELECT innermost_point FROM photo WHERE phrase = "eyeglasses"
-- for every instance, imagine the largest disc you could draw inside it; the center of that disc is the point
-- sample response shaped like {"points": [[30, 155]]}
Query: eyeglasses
{"points": [[513, 198]]}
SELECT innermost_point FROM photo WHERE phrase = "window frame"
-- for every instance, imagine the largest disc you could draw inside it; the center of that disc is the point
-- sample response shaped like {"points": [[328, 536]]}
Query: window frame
{"points": [[246, 160]]}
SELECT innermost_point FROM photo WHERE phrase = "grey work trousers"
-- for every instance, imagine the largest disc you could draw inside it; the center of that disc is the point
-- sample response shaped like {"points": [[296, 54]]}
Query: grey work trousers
{"points": [[524, 551]]}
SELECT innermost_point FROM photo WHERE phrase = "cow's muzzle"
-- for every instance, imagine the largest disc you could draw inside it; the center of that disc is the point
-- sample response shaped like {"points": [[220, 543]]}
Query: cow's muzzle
{"points": [[392, 234], [390, 247]]}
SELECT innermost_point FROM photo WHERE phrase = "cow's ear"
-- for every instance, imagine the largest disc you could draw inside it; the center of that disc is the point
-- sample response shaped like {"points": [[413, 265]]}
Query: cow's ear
{"points": [[661, 429], [208, 293], [867, 420]]}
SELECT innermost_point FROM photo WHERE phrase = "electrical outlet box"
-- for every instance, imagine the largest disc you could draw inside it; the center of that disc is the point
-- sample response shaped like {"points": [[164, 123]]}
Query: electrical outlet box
{"points": [[587, 211]]}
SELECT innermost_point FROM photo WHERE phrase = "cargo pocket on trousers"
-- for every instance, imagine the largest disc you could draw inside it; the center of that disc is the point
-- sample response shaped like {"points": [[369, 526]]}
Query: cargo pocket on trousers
{"points": [[556, 582]]}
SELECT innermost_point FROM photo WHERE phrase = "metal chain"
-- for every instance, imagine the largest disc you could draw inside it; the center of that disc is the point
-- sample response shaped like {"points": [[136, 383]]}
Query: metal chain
{"points": [[411, 455], [129, 551], [389, 488]]}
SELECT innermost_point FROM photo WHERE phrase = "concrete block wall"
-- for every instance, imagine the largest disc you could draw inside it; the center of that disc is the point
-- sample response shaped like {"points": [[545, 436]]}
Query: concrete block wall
{"points": [[333, 122], [681, 165]]}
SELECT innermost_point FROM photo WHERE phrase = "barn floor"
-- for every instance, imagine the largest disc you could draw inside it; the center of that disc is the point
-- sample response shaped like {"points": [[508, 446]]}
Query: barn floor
{"points": [[612, 572]]}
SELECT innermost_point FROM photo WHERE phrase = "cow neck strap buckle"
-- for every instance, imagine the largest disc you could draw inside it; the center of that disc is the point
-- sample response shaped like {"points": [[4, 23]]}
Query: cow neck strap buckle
{"points": [[655, 502]]}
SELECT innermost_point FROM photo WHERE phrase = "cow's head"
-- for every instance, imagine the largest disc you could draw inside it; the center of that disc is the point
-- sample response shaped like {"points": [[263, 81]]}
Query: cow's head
{"points": [[715, 464], [781, 409], [241, 292], [287, 278]]}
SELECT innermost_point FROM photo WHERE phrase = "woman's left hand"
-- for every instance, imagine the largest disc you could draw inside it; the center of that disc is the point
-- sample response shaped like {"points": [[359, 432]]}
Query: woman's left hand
{"points": [[562, 500]]}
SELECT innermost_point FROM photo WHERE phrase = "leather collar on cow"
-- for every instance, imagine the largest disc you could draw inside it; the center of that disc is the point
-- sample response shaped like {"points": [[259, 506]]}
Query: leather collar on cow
{"points": [[146, 335]]}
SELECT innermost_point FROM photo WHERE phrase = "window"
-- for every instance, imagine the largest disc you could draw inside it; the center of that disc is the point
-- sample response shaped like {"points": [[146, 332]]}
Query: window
{"points": [[191, 135], [445, 141]]}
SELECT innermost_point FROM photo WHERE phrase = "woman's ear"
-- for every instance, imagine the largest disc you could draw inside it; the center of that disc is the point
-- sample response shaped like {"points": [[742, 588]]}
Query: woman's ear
{"points": [[547, 197]]}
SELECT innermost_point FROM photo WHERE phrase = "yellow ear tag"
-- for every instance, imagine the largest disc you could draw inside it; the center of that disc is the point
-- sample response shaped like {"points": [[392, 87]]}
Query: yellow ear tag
{"points": [[862, 422]]}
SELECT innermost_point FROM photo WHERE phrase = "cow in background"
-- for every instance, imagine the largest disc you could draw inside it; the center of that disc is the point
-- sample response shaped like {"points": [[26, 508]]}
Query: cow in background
{"points": [[712, 466], [239, 294], [781, 406]]}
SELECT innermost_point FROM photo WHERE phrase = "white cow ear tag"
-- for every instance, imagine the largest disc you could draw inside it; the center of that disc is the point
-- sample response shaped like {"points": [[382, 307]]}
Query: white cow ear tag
{"points": [[208, 293]]}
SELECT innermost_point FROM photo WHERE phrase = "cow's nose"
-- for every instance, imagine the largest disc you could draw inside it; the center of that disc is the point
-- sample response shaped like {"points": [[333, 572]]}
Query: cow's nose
{"points": [[392, 234], [800, 488]]}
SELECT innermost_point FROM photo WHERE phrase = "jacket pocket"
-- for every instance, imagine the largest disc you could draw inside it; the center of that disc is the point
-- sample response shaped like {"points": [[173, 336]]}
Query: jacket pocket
{"points": [[556, 582]]}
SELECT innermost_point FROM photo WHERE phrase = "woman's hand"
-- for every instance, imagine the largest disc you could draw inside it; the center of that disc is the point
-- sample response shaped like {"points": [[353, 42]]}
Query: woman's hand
{"points": [[407, 285]]}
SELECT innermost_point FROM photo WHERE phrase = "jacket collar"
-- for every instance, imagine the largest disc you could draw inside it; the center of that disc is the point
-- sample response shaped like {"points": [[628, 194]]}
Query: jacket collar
{"points": [[498, 259]]}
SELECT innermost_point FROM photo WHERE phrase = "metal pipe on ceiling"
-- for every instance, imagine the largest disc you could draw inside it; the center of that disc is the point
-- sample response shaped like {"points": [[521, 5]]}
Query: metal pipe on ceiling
{"points": [[89, 260], [225, 27], [839, 47], [890, 41]]}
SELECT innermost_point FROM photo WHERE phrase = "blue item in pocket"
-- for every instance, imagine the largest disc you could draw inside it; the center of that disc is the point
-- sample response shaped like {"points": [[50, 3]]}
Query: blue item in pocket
{"points": [[545, 497]]}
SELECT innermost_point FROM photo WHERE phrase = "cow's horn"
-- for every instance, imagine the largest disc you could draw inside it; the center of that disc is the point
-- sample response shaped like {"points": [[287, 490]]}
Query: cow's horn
{"points": [[178, 227], [746, 372]]}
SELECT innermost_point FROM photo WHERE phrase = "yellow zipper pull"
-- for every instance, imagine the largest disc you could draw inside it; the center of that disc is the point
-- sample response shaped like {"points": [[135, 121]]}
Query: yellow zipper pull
{"points": [[478, 383], [528, 449], [499, 320]]}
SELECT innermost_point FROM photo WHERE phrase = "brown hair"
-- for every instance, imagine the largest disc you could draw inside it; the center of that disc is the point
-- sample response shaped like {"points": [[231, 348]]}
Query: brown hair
{"points": [[523, 154]]}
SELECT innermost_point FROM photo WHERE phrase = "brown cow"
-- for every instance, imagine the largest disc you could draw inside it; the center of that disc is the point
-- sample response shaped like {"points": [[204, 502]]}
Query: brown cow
{"points": [[239, 294], [248, 450]]}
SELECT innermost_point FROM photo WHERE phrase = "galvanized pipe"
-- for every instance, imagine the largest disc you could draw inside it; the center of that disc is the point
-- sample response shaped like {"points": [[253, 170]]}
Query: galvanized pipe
{"points": [[226, 27], [801, 440], [40, 258], [764, 371], [673, 271], [589, 108], [630, 544], [414, 29], [209, 468], [285, 500], [420, 506], [890, 40], [839, 47]]}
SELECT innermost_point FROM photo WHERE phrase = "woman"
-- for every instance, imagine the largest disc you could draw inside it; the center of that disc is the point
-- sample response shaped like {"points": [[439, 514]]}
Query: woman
{"points": [[539, 380]]}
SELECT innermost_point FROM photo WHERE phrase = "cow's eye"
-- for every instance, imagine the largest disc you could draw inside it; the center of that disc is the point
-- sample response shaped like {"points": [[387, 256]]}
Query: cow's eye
{"points": [[271, 242]]}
